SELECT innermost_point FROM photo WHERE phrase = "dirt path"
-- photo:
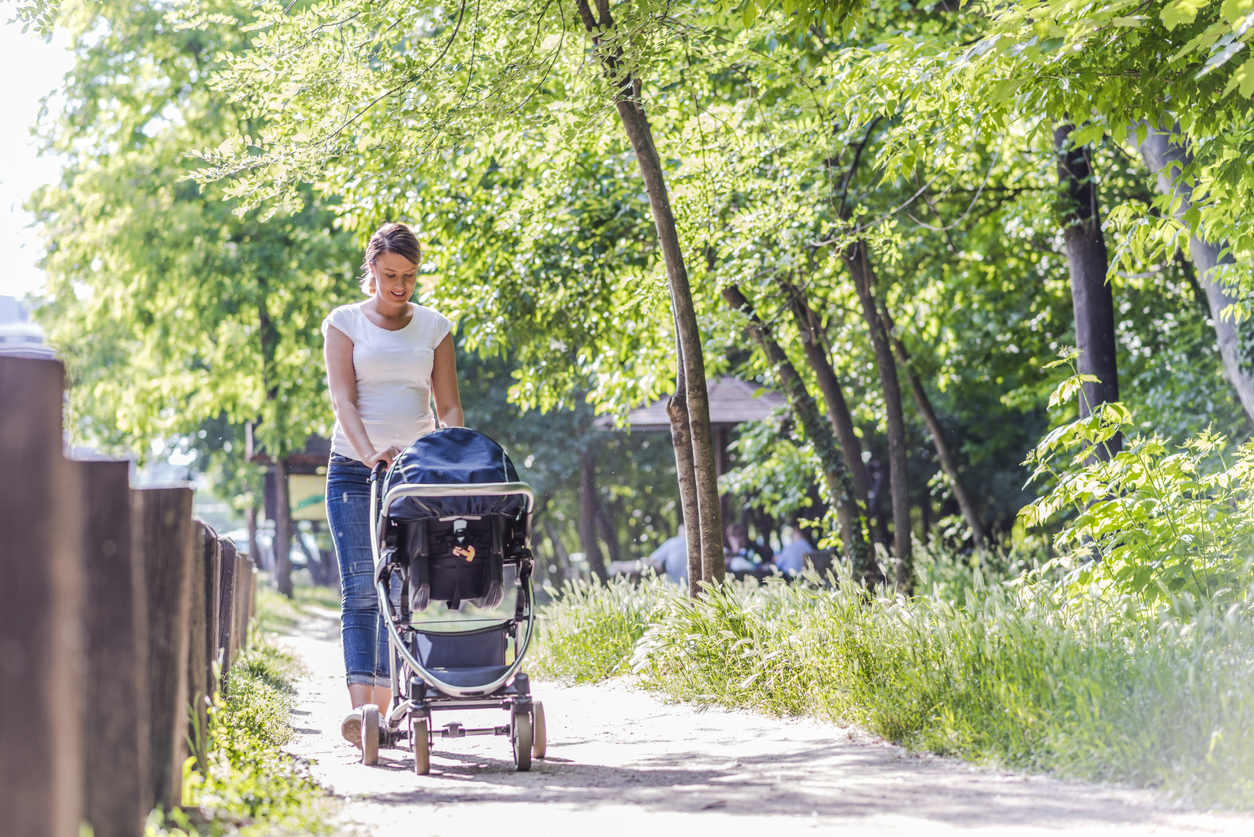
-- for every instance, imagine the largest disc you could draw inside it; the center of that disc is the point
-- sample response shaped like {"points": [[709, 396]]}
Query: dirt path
{"points": [[621, 761]]}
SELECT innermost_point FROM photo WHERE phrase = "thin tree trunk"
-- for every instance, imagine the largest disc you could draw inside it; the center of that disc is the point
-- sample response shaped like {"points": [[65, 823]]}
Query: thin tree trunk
{"points": [[282, 529], [640, 135], [1163, 151], [588, 515], [563, 560], [677, 411], [859, 262], [949, 462], [839, 482], [1091, 297], [605, 518], [829, 387]]}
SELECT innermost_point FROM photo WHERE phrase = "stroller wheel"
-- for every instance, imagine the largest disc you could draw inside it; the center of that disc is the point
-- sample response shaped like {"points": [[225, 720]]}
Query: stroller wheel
{"points": [[370, 734], [521, 739], [422, 746], [539, 733]]}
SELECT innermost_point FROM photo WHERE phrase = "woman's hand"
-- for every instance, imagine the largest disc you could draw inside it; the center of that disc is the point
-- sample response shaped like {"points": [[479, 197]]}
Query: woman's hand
{"points": [[385, 456]]}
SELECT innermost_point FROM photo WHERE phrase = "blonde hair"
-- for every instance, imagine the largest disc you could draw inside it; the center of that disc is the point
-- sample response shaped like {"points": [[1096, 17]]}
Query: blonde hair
{"points": [[389, 238]]}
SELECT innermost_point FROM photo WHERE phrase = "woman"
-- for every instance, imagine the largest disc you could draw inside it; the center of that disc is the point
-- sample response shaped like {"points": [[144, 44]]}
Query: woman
{"points": [[386, 357]]}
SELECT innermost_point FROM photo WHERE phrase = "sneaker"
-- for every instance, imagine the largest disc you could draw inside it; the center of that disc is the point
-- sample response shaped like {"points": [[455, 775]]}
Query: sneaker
{"points": [[351, 728]]}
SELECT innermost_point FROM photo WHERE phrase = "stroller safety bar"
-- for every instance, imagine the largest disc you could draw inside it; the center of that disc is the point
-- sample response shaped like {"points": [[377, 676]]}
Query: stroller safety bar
{"points": [[399, 645], [476, 489]]}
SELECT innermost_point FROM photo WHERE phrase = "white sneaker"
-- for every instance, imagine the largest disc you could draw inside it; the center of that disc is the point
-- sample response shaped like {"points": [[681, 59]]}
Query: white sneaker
{"points": [[351, 728]]}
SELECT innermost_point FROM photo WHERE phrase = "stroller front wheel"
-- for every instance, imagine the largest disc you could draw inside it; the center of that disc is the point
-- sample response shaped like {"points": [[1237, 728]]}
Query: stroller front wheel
{"points": [[370, 734], [521, 737], [539, 731], [419, 736]]}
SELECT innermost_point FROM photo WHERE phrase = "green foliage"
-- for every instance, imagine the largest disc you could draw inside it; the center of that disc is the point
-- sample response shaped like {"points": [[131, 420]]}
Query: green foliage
{"points": [[1102, 692], [251, 787], [174, 315], [1154, 520], [589, 632]]}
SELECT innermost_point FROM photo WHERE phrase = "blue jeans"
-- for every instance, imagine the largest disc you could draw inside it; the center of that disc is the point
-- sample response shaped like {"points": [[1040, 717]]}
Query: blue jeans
{"points": [[361, 625]]}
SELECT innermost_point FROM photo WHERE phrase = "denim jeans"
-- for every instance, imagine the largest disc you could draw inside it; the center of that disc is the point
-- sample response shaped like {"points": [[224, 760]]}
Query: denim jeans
{"points": [[361, 625]]}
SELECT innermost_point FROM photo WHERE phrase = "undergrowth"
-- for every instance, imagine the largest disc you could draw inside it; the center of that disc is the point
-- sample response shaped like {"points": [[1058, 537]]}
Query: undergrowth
{"points": [[1004, 675], [251, 788]]}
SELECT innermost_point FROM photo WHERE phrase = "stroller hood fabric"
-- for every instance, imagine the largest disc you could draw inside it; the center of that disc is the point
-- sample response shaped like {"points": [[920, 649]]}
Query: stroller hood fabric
{"points": [[452, 456]]}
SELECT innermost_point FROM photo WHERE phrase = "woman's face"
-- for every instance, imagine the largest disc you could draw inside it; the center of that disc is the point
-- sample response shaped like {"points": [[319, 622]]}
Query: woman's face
{"points": [[394, 278]]}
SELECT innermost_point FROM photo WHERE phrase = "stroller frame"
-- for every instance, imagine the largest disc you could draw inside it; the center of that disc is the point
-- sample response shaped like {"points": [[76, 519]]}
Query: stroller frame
{"points": [[424, 692]]}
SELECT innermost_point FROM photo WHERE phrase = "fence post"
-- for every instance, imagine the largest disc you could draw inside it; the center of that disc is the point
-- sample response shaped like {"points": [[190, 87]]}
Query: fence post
{"points": [[226, 616], [41, 659], [164, 532], [213, 603], [116, 793], [198, 717], [241, 602]]}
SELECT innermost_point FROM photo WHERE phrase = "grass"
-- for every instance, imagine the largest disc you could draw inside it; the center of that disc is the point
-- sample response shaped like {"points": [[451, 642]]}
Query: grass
{"points": [[1004, 675], [251, 787]]}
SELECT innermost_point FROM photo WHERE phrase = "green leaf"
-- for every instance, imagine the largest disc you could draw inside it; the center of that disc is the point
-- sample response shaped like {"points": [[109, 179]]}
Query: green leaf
{"points": [[1182, 11]]}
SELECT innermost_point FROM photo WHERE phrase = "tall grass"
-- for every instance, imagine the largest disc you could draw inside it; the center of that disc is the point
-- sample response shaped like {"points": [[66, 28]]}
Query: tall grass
{"points": [[1007, 675], [251, 788], [589, 632]]}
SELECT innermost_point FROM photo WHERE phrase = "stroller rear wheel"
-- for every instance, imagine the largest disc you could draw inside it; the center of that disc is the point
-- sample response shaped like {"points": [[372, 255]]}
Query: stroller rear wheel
{"points": [[521, 738], [421, 741], [370, 734], [539, 733]]}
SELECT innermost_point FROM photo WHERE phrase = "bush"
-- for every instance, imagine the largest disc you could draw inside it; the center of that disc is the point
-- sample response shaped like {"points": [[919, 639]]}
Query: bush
{"points": [[1155, 519]]}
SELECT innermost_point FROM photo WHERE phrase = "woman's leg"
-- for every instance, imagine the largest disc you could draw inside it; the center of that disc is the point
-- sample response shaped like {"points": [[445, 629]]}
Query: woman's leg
{"points": [[348, 516]]}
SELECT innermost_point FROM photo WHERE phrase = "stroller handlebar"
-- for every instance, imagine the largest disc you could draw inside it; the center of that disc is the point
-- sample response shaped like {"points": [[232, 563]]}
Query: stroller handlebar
{"points": [[481, 489]]}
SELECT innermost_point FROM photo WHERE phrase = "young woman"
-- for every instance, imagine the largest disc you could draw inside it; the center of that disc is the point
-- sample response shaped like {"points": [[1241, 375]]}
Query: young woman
{"points": [[386, 358]]}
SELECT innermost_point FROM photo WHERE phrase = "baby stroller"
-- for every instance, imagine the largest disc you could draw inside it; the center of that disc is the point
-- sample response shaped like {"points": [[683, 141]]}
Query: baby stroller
{"points": [[450, 524]]}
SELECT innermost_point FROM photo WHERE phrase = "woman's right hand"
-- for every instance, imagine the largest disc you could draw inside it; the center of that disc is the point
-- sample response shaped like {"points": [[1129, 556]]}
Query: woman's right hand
{"points": [[385, 456]]}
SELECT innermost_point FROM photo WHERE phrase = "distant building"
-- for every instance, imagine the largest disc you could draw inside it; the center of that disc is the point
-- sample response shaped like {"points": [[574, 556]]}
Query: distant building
{"points": [[18, 337]]}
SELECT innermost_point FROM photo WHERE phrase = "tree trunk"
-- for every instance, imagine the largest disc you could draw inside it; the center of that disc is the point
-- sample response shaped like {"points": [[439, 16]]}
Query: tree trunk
{"points": [[949, 462], [829, 387], [282, 529], [605, 521], [677, 411], [1162, 152], [640, 135], [562, 559], [1091, 296], [588, 515], [839, 482], [859, 262]]}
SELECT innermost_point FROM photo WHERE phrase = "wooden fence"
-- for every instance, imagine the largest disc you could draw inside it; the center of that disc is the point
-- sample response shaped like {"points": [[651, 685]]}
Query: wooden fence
{"points": [[115, 604]]}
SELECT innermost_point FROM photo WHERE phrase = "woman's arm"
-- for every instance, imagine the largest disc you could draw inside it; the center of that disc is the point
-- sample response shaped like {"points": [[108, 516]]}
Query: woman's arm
{"points": [[342, 381], [448, 401]]}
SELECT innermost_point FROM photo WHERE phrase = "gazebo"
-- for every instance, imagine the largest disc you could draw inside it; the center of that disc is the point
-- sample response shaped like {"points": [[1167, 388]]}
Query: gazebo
{"points": [[732, 402]]}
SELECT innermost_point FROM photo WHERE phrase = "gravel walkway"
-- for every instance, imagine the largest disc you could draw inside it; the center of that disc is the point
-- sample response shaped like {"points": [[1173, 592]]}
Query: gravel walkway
{"points": [[620, 761]]}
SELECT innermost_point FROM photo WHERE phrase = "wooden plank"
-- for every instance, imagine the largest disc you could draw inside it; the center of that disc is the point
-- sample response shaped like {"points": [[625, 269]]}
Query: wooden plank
{"points": [[163, 527], [241, 602], [213, 600], [226, 612], [197, 688], [116, 794], [42, 659], [252, 593]]}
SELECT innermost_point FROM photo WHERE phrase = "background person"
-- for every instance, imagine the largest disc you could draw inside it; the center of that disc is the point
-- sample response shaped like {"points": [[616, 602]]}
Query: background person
{"points": [[386, 358], [791, 559], [671, 557]]}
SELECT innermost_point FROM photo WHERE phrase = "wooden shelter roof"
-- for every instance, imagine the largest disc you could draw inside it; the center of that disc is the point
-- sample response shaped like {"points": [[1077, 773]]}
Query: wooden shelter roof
{"points": [[731, 403]]}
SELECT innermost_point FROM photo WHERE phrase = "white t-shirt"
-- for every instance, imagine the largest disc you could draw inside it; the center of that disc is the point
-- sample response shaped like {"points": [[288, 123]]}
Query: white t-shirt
{"points": [[393, 375]]}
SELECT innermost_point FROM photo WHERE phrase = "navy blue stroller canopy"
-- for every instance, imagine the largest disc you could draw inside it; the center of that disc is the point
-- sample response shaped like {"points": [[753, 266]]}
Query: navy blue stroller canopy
{"points": [[452, 456]]}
